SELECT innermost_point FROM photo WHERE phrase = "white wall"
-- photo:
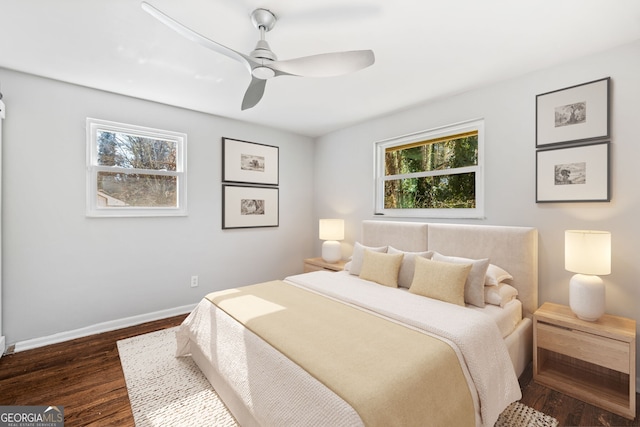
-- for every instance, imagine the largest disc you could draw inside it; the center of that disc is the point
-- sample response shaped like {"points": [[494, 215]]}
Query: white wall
{"points": [[509, 112], [63, 271]]}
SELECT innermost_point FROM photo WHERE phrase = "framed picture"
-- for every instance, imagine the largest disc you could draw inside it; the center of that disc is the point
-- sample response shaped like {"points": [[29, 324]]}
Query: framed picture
{"points": [[577, 113], [573, 174], [249, 206], [249, 162]]}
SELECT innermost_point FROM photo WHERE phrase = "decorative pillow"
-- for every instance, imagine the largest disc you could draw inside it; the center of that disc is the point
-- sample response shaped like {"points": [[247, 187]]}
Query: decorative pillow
{"points": [[381, 268], [440, 280], [474, 286], [358, 256], [408, 266], [496, 275], [500, 294]]}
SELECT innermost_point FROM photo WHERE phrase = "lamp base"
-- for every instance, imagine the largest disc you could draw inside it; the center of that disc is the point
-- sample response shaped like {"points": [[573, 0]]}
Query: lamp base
{"points": [[331, 251], [587, 296]]}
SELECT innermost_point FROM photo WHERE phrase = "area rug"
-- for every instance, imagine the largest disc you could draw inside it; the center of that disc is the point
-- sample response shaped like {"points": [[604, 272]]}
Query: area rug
{"points": [[169, 391]]}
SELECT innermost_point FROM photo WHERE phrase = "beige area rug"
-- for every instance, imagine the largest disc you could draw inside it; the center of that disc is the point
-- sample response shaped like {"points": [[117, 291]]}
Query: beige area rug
{"points": [[169, 391]]}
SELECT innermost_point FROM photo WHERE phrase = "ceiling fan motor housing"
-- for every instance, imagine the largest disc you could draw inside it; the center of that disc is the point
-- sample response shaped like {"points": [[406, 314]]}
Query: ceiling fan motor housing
{"points": [[263, 51]]}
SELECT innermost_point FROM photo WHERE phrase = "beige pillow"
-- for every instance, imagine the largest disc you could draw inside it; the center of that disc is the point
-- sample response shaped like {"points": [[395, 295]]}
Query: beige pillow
{"points": [[408, 266], [358, 256], [474, 286], [381, 268], [440, 280]]}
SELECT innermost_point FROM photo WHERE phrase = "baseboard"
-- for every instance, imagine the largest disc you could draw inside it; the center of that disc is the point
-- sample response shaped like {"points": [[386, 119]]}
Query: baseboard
{"points": [[2, 345], [100, 327]]}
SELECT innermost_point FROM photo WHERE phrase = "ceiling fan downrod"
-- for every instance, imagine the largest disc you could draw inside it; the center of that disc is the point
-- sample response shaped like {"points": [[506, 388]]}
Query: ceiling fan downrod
{"points": [[264, 20]]}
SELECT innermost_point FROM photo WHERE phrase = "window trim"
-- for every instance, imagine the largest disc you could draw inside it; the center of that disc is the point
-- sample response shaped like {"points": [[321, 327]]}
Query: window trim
{"points": [[92, 208], [430, 134]]}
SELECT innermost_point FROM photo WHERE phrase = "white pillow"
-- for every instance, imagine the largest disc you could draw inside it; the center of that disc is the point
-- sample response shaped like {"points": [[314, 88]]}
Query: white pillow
{"points": [[496, 275], [474, 286], [358, 257], [408, 267], [500, 294]]}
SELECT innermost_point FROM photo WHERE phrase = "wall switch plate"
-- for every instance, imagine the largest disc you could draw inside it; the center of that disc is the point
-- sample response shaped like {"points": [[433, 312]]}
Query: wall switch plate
{"points": [[194, 281]]}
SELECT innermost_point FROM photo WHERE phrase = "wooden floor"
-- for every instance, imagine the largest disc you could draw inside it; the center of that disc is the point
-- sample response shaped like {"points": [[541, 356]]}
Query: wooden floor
{"points": [[85, 377]]}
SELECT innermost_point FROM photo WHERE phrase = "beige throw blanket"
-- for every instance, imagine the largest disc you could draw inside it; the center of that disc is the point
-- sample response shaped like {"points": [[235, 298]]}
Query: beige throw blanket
{"points": [[390, 374], [475, 335]]}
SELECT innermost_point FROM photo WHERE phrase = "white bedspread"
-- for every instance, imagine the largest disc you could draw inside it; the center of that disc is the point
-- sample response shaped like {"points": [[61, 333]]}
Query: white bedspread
{"points": [[476, 336], [506, 318]]}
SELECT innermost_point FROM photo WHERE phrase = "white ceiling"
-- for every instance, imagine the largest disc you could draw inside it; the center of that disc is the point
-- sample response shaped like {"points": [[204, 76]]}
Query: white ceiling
{"points": [[424, 50]]}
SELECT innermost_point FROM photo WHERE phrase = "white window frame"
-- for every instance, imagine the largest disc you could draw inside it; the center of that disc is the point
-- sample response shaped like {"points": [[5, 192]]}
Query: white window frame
{"points": [[93, 210], [440, 132]]}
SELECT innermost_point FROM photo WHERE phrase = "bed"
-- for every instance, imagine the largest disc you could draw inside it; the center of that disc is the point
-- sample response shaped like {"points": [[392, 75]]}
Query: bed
{"points": [[362, 353]]}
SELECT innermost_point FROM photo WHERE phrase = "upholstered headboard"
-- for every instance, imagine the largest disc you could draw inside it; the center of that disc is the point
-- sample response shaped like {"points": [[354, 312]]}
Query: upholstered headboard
{"points": [[515, 249]]}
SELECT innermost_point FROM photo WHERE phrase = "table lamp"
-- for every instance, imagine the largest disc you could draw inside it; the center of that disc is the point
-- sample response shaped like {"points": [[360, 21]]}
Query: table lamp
{"points": [[331, 230], [587, 253]]}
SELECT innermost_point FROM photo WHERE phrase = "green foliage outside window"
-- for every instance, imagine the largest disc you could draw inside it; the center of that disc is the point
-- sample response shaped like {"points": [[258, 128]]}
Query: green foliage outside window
{"points": [[436, 188]]}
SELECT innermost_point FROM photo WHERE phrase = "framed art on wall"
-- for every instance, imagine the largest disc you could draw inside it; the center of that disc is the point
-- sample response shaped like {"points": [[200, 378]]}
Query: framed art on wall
{"points": [[249, 206], [576, 113], [249, 162], [573, 174]]}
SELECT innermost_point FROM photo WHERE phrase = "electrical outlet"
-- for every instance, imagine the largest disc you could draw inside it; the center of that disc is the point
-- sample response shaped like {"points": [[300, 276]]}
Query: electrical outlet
{"points": [[194, 281]]}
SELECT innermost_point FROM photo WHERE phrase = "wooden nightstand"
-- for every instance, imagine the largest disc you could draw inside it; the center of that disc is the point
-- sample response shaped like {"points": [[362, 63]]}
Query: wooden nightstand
{"points": [[591, 361], [316, 264]]}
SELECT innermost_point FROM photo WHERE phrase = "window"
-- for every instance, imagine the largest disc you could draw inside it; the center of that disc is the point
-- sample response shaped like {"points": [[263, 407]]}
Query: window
{"points": [[436, 173], [135, 171]]}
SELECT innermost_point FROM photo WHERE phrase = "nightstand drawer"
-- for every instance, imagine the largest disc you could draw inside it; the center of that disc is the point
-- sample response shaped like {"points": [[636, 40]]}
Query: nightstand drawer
{"points": [[607, 352]]}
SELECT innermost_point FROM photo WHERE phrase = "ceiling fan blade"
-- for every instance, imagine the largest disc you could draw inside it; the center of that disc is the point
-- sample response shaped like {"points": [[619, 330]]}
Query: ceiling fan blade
{"points": [[196, 37], [254, 93], [325, 64]]}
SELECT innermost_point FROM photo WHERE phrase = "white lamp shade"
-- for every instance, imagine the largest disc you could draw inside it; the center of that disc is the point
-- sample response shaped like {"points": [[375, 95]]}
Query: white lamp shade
{"points": [[331, 229], [587, 252]]}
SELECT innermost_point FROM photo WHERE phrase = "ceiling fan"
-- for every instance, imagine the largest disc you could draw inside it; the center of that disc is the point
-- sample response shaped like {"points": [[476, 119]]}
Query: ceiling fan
{"points": [[263, 64]]}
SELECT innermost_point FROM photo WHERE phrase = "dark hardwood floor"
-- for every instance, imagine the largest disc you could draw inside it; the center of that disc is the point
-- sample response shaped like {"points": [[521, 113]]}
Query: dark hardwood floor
{"points": [[84, 376]]}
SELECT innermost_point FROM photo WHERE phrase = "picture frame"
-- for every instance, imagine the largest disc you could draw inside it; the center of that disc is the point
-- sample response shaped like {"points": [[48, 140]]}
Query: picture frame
{"points": [[248, 206], [249, 162], [574, 114], [577, 173]]}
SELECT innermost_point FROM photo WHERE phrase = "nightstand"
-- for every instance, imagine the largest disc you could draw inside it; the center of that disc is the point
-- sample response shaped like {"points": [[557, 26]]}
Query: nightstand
{"points": [[591, 361], [317, 264]]}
